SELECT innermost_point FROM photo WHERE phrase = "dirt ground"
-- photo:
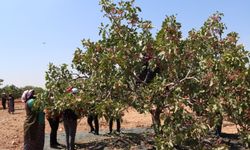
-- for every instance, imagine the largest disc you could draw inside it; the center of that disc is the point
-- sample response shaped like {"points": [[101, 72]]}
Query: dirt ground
{"points": [[11, 125]]}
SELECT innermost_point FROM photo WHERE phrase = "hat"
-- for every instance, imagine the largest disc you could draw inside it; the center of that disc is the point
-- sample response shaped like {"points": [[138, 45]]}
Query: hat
{"points": [[74, 90], [30, 93]]}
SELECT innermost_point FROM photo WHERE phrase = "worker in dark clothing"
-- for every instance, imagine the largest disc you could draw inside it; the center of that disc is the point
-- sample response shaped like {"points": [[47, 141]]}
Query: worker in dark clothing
{"points": [[70, 126], [147, 74], [118, 124], [11, 104], [53, 119], [92, 117], [69, 118], [4, 99]]}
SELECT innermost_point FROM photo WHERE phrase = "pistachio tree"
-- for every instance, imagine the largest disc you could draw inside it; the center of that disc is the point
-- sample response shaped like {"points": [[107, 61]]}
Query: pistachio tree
{"points": [[188, 84], [112, 63]]}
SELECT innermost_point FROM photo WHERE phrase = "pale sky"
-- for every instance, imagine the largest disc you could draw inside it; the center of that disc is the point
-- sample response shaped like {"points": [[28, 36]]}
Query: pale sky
{"points": [[34, 33]]}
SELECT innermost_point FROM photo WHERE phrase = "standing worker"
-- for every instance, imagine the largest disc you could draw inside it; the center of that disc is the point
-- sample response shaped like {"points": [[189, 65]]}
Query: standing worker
{"points": [[93, 117], [70, 124], [4, 99], [11, 104], [118, 124], [34, 125], [53, 118]]}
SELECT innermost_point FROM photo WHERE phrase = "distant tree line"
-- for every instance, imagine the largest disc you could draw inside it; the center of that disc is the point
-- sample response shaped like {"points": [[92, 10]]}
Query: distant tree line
{"points": [[1, 80], [17, 91]]}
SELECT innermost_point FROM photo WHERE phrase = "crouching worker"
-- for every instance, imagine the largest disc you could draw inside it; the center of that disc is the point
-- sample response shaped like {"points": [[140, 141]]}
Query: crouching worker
{"points": [[34, 125]]}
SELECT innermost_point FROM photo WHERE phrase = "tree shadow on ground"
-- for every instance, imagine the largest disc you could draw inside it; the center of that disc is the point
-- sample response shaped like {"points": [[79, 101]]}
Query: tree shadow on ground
{"points": [[232, 141], [121, 141], [142, 141], [230, 136]]}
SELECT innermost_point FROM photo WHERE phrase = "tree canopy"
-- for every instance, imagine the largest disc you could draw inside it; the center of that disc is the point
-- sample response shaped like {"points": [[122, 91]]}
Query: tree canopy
{"points": [[188, 84]]}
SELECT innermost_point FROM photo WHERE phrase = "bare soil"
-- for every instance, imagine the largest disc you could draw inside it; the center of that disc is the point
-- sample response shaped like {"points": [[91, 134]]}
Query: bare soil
{"points": [[11, 125]]}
